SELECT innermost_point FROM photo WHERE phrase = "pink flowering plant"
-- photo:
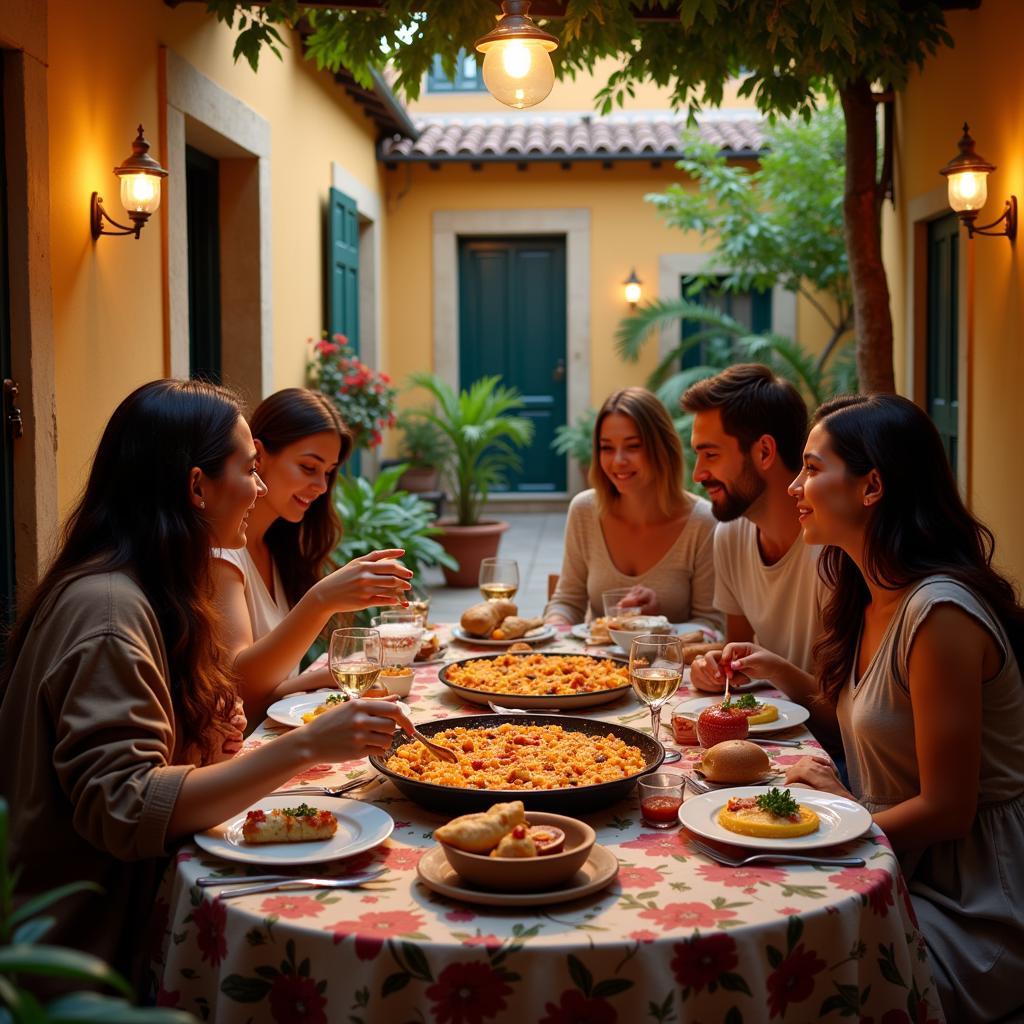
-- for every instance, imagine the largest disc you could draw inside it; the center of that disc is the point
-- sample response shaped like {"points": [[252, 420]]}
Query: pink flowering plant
{"points": [[364, 398]]}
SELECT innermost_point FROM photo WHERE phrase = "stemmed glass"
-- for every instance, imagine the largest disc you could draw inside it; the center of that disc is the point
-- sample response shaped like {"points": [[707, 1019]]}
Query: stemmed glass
{"points": [[354, 658], [499, 578], [612, 601], [655, 670]]}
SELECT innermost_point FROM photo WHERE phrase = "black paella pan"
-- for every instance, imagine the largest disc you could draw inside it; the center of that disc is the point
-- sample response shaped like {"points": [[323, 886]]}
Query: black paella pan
{"points": [[570, 800]]}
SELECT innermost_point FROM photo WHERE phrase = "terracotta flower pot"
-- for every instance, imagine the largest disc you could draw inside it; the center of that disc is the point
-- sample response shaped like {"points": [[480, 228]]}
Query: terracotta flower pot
{"points": [[419, 479], [469, 546]]}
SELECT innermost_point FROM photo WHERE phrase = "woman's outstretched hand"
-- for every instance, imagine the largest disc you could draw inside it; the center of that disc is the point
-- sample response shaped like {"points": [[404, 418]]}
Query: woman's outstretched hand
{"points": [[356, 729], [817, 774], [374, 579]]}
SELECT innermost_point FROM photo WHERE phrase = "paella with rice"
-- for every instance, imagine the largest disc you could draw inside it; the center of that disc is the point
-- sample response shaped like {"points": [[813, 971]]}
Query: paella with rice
{"points": [[513, 756], [538, 675]]}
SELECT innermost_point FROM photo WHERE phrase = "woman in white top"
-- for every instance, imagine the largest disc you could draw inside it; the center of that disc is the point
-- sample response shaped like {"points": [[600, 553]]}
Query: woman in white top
{"points": [[637, 527], [273, 594]]}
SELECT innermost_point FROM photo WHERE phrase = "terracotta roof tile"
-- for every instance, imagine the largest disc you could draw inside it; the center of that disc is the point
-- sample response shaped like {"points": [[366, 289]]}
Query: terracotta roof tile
{"points": [[567, 136]]}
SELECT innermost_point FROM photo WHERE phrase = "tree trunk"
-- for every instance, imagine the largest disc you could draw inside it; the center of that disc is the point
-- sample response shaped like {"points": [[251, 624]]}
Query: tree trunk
{"points": [[862, 204]]}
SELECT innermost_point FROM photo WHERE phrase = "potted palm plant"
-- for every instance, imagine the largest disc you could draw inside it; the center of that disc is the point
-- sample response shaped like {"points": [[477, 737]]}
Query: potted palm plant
{"points": [[481, 440]]}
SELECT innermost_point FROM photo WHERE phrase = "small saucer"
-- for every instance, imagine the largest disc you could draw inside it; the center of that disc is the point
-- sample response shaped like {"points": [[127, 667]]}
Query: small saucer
{"points": [[597, 873], [763, 780]]}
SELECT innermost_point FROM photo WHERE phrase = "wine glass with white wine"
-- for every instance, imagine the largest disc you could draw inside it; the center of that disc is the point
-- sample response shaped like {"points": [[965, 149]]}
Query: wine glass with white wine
{"points": [[655, 670], [499, 578], [355, 659]]}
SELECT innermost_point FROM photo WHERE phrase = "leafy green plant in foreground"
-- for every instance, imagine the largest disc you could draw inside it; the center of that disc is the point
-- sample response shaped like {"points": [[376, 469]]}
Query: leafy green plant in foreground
{"points": [[23, 953]]}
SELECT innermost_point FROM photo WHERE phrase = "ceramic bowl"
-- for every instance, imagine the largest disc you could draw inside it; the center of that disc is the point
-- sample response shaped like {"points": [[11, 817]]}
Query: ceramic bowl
{"points": [[640, 625], [401, 685], [527, 874]]}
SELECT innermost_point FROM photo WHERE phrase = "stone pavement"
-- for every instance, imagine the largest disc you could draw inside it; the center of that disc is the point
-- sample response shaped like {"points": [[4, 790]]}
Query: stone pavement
{"points": [[534, 540]]}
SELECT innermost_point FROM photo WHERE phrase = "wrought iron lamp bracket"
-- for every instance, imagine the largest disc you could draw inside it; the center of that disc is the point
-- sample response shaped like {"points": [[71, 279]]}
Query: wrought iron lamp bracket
{"points": [[1009, 216], [98, 214]]}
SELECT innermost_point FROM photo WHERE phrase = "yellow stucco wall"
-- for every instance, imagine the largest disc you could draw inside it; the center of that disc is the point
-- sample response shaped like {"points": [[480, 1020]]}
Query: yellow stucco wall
{"points": [[973, 82], [566, 94], [108, 298], [625, 232]]}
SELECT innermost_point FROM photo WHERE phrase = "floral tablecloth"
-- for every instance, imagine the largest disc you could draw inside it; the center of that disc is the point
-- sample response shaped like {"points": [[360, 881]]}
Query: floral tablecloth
{"points": [[675, 938]]}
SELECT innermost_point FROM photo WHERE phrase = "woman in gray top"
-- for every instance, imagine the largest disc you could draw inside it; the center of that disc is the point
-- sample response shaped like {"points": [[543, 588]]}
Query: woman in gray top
{"points": [[921, 656], [637, 527]]}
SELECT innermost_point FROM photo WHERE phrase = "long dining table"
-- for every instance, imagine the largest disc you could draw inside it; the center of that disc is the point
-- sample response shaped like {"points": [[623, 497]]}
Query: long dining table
{"points": [[676, 936]]}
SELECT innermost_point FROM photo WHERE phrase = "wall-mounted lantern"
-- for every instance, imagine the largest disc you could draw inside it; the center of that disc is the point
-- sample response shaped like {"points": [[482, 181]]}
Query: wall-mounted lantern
{"points": [[141, 178], [517, 69], [967, 178], [633, 288]]}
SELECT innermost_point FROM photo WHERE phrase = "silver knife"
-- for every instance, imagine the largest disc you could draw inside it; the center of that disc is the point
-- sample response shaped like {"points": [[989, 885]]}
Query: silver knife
{"points": [[766, 742], [301, 883]]}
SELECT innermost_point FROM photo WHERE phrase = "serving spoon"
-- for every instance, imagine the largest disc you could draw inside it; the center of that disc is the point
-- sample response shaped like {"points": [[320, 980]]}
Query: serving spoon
{"points": [[442, 753]]}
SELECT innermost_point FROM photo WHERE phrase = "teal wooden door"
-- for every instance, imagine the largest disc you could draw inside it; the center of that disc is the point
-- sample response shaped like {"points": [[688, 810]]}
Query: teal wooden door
{"points": [[342, 284], [7, 423], [942, 370], [512, 323]]}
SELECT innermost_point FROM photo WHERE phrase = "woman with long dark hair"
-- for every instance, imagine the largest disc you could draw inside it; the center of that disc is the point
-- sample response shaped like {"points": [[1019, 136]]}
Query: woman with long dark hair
{"points": [[273, 594], [115, 700], [637, 527], [921, 659]]}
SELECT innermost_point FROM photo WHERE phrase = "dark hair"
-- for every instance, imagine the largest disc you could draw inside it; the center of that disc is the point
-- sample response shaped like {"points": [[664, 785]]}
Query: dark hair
{"points": [[300, 550], [661, 443], [919, 528], [754, 401], [135, 516]]}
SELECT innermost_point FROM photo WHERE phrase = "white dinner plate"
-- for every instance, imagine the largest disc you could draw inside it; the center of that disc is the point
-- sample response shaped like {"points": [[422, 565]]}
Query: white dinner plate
{"points": [[361, 827], [289, 710], [790, 714], [540, 635], [841, 819]]}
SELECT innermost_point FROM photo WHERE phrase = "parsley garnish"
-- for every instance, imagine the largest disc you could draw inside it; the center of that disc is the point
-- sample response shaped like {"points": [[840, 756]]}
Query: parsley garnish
{"points": [[336, 698], [747, 701], [780, 804], [302, 811]]}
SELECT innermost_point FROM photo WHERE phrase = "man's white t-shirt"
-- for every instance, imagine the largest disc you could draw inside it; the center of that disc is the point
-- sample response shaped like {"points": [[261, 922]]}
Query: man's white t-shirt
{"points": [[782, 602]]}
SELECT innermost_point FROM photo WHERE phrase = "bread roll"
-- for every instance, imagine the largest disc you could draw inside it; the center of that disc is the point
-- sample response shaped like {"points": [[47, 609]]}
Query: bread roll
{"points": [[514, 627], [484, 618], [691, 651], [738, 761]]}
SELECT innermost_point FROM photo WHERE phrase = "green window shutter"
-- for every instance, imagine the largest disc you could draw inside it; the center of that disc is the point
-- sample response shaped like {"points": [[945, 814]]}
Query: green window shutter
{"points": [[342, 288]]}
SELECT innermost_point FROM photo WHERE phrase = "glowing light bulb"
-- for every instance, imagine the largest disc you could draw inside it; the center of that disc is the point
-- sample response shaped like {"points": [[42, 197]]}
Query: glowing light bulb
{"points": [[140, 192], [516, 58], [968, 190]]}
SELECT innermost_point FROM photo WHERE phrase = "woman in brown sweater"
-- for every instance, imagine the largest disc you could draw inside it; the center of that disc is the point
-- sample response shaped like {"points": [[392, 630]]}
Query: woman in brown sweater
{"points": [[114, 703]]}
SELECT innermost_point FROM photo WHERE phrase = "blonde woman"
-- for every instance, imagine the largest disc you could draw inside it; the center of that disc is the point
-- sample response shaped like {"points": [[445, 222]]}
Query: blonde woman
{"points": [[637, 527]]}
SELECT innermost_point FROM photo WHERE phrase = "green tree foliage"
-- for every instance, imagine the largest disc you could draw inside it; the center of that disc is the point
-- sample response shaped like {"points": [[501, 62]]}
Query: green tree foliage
{"points": [[785, 54], [781, 224]]}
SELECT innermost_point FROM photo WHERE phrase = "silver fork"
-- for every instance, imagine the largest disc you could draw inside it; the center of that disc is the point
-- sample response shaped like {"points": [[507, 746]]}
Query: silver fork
{"points": [[345, 787], [301, 883], [733, 861]]}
